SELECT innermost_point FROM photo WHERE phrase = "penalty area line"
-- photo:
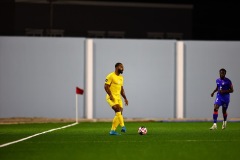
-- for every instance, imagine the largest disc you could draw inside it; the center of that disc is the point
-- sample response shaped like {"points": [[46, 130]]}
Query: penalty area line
{"points": [[23, 139]]}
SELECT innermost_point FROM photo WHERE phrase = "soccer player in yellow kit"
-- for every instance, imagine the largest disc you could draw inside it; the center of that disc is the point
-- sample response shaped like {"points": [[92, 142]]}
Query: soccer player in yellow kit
{"points": [[114, 88]]}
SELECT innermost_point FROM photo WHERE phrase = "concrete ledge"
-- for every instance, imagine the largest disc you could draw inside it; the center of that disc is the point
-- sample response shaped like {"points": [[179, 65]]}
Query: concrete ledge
{"points": [[23, 120]]}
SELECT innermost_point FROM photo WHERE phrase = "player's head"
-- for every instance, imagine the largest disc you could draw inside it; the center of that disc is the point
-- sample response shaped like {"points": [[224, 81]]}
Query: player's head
{"points": [[119, 68], [222, 73]]}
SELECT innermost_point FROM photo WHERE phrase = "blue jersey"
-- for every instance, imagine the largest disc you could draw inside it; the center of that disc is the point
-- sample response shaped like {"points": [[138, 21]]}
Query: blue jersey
{"points": [[223, 84]]}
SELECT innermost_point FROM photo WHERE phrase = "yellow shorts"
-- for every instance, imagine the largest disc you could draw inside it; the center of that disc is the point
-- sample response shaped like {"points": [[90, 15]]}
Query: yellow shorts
{"points": [[117, 100]]}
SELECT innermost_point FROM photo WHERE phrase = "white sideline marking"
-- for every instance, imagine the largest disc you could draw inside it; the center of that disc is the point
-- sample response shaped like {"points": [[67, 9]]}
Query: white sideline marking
{"points": [[23, 139]]}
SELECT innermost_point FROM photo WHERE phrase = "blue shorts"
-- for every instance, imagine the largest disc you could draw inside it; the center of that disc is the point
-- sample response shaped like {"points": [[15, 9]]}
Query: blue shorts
{"points": [[222, 102]]}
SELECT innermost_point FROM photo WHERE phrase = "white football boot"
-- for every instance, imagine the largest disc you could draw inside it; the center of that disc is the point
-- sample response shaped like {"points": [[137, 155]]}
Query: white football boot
{"points": [[213, 127], [224, 125]]}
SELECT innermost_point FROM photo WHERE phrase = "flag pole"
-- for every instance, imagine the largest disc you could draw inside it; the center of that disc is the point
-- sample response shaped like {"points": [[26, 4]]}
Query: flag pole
{"points": [[76, 108], [78, 91]]}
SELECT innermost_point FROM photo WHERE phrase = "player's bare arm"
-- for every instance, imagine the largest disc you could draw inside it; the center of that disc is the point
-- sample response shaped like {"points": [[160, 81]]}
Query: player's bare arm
{"points": [[124, 96], [215, 90], [107, 89], [231, 89]]}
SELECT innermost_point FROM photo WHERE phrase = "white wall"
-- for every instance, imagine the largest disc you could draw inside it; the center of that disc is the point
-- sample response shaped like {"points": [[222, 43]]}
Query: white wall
{"points": [[204, 59], [38, 76], [149, 76]]}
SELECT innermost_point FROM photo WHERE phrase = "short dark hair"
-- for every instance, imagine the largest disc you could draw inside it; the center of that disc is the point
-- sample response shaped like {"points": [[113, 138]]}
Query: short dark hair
{"points": [[117, 64], [222, 69]]}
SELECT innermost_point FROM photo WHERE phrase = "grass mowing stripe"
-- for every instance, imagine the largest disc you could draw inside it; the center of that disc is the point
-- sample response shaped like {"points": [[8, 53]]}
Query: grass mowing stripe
{"points": [[23, 139]]}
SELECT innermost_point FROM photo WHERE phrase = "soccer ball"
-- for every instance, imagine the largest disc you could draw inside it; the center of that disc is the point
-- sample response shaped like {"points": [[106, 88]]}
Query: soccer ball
{"points": [[142, 130]]}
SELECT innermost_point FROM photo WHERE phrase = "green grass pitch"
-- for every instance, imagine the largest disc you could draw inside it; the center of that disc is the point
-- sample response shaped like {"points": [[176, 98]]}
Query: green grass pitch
{"points": [[91, 140]]}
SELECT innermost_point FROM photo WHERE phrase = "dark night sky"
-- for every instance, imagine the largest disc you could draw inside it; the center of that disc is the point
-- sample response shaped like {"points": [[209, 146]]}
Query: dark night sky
{"points": [[210, 21], [215, 20]]}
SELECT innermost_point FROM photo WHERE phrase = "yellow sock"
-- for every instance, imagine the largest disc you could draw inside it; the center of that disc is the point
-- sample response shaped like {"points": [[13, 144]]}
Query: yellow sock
{"points": [[120, 118], [115, 123]]}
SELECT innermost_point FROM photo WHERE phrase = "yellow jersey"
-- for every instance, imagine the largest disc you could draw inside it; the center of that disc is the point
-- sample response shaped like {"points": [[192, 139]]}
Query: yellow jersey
{"points": [[115, 82]]}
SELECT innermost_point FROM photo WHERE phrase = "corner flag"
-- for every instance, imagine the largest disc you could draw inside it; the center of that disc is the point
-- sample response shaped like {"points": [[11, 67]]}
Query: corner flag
{"points": [[79, 90]]}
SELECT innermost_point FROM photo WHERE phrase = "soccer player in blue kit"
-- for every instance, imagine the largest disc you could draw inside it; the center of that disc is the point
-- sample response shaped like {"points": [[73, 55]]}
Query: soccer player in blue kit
{"points": [[223, 89]]}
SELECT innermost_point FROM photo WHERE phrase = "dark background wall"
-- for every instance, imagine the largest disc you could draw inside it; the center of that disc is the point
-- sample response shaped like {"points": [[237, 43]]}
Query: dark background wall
{"points": [[170, 19]]}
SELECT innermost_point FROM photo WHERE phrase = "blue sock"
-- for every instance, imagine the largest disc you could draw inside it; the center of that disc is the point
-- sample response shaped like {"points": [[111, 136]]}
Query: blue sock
{"points": [[215, 116]]}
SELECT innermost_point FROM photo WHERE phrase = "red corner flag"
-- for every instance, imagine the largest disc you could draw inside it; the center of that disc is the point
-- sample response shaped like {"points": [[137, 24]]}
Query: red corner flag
{"points": [[79, 90]]}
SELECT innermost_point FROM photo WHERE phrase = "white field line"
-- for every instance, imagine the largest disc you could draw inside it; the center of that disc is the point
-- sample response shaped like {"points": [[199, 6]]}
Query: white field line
{"points": [[23, 139]]}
